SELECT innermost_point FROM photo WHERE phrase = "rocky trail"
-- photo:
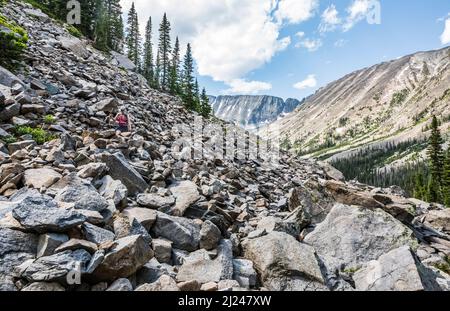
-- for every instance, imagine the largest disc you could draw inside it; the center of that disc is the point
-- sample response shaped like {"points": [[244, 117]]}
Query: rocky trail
{"points": [[95, 210]]}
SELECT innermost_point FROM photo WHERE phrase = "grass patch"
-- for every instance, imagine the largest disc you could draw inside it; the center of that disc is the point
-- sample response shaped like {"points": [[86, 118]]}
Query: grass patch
{"points": [[74, 31], [13, 42], [40, 136], [49, 119], [9, 140]]}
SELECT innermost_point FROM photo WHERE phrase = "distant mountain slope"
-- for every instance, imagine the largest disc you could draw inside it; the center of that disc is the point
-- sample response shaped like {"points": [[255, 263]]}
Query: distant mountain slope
{"points": [[388, 102], [251, 111]]}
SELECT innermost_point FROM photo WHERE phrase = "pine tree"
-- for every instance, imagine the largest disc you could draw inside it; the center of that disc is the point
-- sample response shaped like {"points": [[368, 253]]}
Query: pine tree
{"points": [[205, 107], [164, 52], [157, 72], [446, 179], [101, 27], [89, 9], [115, 25], [133, 37], [436, 157], [188, 94], [196, 96], [174, 78], [149, 68], [419, 187]]}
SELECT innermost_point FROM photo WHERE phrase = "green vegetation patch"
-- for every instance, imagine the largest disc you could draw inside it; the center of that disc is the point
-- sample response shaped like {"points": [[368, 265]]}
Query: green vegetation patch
{"points": [[399, 97], [13, 42], [40, 136]]}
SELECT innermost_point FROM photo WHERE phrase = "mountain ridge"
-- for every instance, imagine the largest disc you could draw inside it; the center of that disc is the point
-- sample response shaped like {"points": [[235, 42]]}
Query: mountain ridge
{"points": [[392, 98], [251, 111]]}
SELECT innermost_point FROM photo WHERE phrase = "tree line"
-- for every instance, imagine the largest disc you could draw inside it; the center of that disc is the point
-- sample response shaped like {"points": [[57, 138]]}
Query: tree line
{"points": [[425, 180], [433, 184], [102, 22]]}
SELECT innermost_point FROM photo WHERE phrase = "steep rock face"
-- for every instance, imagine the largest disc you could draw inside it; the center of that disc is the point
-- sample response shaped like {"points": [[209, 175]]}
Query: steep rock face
{"points": [[388, 102], [251, 112]]}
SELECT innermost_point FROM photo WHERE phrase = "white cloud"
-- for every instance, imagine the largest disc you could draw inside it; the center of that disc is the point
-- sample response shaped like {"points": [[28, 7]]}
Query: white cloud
{"points": [[240, 86], [445, 37], [300, 34], [357, 11], [230, 38], [311, 45], [330, 19], [309, 82], [296, 11], [340, 43]]}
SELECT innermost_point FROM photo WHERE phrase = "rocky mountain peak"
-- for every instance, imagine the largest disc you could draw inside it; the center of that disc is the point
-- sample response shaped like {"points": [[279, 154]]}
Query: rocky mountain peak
{"points": [[252, 111]]}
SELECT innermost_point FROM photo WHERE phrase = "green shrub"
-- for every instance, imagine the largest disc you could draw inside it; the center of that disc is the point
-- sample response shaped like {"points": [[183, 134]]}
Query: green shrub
{"points": [[399, 97], [9, 140], [49, 119], [40, 136], [13, 41], [74, 31]]}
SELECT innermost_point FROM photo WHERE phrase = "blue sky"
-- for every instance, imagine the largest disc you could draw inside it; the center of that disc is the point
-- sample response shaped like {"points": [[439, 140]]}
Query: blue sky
{"points": [[270, 46]]}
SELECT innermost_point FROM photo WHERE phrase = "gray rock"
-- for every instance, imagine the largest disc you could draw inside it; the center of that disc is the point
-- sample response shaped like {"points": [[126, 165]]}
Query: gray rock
{"points": [[164, 283], [38, 14], [41, 214], [83, 197], [210, 235], [107, 105], [121, 170], [94, 170], [40, 177], [20, 145], [163, 250], [244, 273], [124, 226], [10, 111], [185, 193], [74, 244], [199, 266], [16, 247], [96, 234], [120, 285], [284, 263], [74, 45], [96, 260], [48, 243], [271, 223], [114, 190], [123, 61], [155, 201], [57, 266], [127, 256], [351, 236], [151, 272], [394, 271], [145, 216], [184, 233], [33, 108], [8, 79], [68, 143], [331, 172], [44, 287], [439, 220]]}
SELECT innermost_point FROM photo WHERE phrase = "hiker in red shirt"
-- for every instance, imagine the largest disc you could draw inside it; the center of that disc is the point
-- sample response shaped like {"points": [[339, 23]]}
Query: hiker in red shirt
{"points": [[122, 121]]}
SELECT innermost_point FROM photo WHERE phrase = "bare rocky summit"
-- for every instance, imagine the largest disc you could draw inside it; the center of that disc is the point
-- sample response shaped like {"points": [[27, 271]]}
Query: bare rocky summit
{"points": [[391, 102], [92, 209]]}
